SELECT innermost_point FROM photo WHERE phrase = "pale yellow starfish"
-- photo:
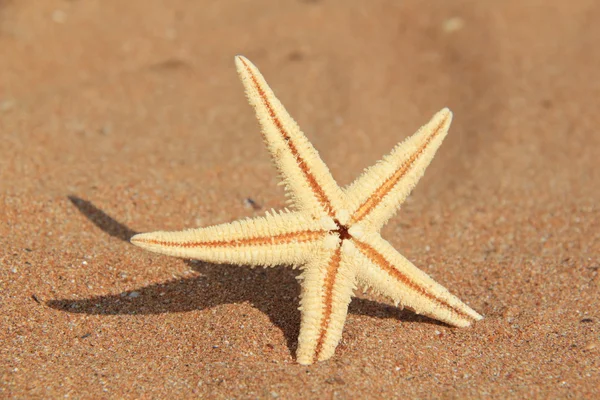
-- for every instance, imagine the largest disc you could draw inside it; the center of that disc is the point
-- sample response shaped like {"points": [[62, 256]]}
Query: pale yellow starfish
{"points": [[332, 234]]}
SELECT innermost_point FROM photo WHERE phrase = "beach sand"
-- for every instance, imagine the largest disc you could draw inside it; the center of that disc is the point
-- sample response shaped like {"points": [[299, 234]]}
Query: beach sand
{"points": [[122, 117]]}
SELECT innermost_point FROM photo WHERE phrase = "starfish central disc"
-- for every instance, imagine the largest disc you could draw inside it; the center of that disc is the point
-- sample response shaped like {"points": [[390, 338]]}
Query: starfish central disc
{"points": [[342, 230]]}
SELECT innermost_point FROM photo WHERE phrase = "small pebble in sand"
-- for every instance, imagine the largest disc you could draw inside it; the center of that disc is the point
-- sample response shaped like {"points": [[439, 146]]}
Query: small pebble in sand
{"points": [[59, 16], [453, 24], [590, 346], [6, 105], [133, 295], [249, 203]]}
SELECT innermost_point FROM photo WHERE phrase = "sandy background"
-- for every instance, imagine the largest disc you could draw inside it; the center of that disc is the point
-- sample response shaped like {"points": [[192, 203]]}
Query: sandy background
{"points": [[126, 116]]}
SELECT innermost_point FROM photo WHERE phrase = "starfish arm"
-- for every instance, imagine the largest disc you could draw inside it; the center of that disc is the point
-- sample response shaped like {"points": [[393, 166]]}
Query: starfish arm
{"points": [[305, 176], [275, 239], [389, 273], [328, 282], [378, 193]]}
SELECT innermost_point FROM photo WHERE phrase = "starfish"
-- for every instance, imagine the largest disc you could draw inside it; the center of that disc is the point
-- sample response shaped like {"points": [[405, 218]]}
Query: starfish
{"points": [[332, 234]]}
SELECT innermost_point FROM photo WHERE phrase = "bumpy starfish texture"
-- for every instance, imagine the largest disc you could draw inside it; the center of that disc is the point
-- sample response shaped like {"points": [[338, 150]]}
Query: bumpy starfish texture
{"points": [[332, 234]]}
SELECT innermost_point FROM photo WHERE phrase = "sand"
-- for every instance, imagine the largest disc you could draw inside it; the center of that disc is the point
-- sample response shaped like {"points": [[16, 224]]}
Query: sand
{"points": [[121, 117]]}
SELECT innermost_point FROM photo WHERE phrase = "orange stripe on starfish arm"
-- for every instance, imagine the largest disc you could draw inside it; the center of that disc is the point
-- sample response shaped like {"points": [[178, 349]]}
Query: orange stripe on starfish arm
{"points": [[284, 238], [318, 181], [283, 249], [329, 283], [327, 286], [460, 314], [404, 165]]}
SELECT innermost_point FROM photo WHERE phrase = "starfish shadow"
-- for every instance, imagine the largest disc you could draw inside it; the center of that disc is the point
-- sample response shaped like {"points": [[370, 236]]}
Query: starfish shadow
{"points": [[102, 220], [273, 291]]}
